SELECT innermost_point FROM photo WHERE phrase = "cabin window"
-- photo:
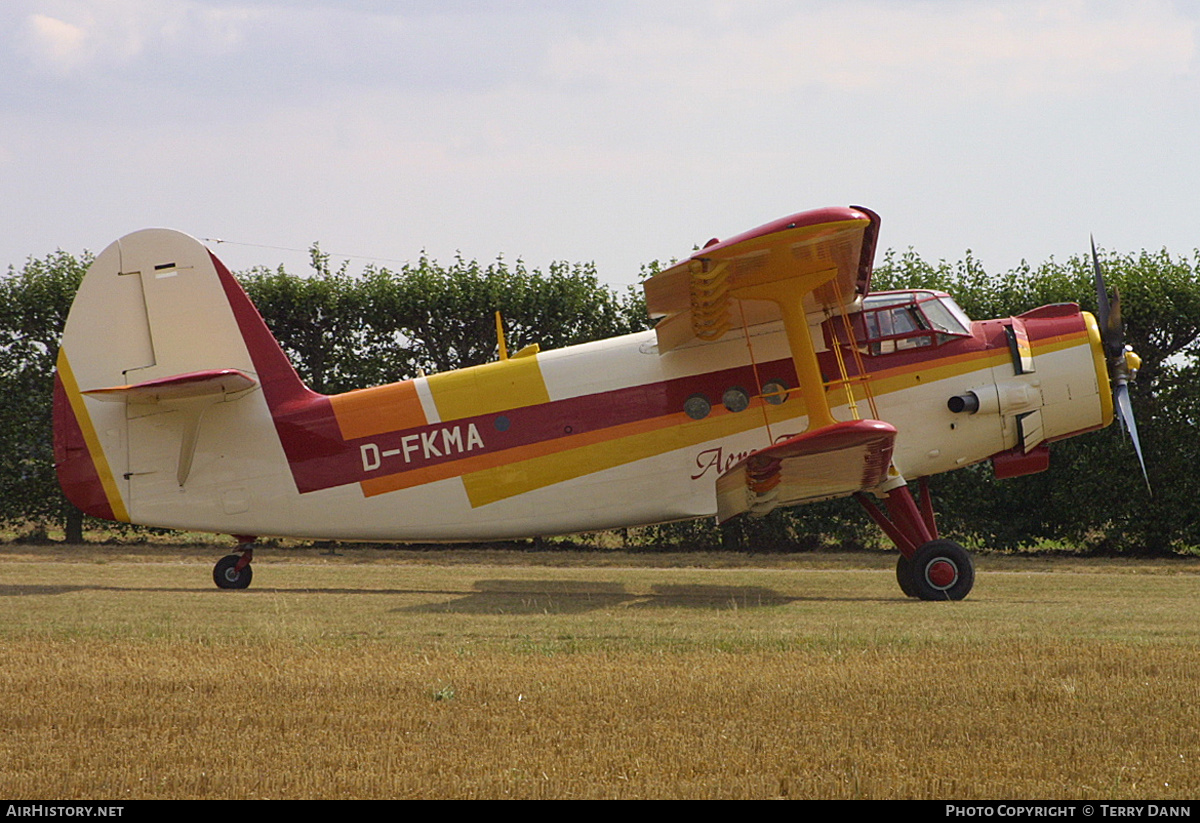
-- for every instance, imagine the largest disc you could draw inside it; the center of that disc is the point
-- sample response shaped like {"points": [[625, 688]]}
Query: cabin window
{"points": [[697, 407], [736, 399], [899, 321], [775, 392]]}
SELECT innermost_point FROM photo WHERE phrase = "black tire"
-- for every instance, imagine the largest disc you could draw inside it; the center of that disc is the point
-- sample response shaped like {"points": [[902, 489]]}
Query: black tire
{"points": [[942, 570], [226, 576], [904, 576]]}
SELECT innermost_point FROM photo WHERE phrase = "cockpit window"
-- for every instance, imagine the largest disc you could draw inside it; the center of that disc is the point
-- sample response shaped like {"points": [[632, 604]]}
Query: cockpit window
{"points": [[945, 315], [897, 321]]}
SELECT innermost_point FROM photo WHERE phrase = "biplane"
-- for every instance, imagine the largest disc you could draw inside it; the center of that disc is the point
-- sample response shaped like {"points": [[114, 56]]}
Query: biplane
{"points": [[773, 377]]}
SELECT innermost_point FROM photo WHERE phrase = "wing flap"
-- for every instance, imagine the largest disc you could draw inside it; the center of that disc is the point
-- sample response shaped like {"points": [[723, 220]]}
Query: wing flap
{"points": [[831, 462]]}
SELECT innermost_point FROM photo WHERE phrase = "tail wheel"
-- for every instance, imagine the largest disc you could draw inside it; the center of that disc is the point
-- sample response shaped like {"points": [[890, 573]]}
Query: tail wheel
{"points": [[940, 570], [227, 575]]}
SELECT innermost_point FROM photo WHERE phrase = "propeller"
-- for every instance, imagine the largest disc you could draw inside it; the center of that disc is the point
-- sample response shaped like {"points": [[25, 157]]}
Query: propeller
{"points": [[1122, 363]]}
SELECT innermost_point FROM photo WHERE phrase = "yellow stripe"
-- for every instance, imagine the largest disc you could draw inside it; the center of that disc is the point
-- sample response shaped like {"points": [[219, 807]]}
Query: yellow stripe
{"points": [[619, 448], [1101, 365], [107, 482], [490, 388]]}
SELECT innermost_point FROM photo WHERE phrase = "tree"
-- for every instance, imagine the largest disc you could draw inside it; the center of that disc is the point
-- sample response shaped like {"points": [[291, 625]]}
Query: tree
{"points": [[34, 302], [318, 322], [344, 332], [445, 315]]}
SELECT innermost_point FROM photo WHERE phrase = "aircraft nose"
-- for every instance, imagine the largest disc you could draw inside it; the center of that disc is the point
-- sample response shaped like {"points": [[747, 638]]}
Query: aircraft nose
{"points": [[1100, 364], [1132, 362]]}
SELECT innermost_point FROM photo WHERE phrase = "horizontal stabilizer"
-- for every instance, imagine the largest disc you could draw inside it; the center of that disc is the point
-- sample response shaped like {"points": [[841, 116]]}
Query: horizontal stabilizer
{"points": [[833, 461], [209, 383]]}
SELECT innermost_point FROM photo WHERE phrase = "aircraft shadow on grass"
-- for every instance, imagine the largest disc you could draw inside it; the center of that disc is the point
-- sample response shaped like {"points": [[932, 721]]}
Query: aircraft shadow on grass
{"points": [[511, 596], [577, 597]]}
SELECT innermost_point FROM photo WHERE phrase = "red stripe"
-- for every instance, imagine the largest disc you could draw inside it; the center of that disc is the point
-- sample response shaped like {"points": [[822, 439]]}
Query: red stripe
{"points": [[572, 417], [73, 462]]}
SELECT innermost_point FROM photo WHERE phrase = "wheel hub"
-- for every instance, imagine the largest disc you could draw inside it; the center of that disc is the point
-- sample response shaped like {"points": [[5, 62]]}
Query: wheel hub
{"points": [[941, 573]]}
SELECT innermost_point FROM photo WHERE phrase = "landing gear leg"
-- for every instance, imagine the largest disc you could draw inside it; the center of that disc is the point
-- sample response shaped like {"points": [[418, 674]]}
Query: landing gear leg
{"points": [[929, 567], [233, 570]]}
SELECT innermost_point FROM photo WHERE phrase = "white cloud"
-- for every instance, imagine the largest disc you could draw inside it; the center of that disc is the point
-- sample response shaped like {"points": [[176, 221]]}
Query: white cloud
{"points": [[57, 44], [85, 34], [1014, 48]]}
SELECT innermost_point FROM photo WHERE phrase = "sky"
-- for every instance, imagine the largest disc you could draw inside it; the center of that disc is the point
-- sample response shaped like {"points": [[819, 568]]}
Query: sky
{"points": [[614, 132]]}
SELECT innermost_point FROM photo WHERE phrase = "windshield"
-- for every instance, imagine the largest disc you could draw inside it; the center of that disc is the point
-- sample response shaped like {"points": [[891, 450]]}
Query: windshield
{"points": [[939, 308], [899, 320]]}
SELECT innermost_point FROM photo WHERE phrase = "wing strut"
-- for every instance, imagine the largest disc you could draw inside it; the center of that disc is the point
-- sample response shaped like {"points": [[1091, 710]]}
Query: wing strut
{"points": [[861, 375], [784, 294]]}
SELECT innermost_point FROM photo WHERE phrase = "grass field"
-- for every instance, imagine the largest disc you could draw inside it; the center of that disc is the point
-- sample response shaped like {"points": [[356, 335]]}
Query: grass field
{"points": [[125, 674]]}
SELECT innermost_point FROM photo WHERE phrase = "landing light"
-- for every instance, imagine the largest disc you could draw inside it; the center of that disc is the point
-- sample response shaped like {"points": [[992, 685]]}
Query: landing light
{"points": [[959, 403]]}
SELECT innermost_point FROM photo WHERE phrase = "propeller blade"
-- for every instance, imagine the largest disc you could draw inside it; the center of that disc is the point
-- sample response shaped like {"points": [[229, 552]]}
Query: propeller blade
{"points": [[1102, 309], [1108, 312], [1115, 324], [1112, 337], [1125, 408]]}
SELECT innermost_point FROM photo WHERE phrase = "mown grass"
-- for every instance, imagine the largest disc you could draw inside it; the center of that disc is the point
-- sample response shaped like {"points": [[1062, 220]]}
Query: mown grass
{"points": [[124, 674]]}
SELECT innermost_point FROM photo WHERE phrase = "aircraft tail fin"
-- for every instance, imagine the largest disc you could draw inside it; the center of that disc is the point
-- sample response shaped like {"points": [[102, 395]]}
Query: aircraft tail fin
{"points": [[161, 336]]}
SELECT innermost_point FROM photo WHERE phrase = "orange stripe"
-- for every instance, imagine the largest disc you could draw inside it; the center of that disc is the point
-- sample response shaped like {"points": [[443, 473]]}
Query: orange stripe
{"points": [[481, 462], [383, 409]]}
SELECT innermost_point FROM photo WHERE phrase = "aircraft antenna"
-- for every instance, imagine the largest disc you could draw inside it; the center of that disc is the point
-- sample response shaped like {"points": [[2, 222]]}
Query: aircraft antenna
{"points": [[500, 336], [370, 257]]}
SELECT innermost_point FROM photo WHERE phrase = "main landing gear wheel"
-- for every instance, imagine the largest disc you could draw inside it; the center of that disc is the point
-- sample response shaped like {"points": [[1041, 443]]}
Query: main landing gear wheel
{"points": [[940, 570], [227, 575], [904, 576]]}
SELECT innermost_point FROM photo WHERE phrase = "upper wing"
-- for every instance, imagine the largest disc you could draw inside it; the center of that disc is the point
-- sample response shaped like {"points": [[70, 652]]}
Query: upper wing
{"points": [[826, 253]]}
